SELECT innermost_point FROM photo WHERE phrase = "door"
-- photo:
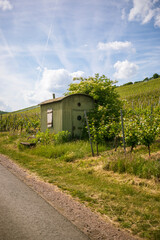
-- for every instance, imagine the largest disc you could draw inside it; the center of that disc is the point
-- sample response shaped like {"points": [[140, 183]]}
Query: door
{"points": [[77, 122]]}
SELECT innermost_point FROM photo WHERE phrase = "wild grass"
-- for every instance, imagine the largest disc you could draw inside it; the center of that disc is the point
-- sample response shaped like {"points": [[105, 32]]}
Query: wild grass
{"points": [[129, 201], [135, 165]]}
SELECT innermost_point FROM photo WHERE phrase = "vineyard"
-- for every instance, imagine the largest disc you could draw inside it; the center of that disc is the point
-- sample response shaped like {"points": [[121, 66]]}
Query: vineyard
{"points": [[141, 95], [20, 121], [140, 127], [122, 182]]}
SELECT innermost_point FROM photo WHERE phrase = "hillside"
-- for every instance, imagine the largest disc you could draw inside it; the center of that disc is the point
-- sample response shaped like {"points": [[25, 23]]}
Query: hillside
{"points": [[2, 112], [141, 94], [35, 108]]}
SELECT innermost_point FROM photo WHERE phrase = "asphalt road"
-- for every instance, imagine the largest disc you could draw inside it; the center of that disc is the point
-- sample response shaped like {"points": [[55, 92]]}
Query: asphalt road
{"points": [[24, 215]]}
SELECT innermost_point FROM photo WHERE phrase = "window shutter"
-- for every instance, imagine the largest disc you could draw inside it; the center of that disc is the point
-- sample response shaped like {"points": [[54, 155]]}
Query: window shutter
{"points": [[49, 118]]}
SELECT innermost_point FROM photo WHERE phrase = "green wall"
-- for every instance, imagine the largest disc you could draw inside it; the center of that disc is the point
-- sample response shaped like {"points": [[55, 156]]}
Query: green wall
{"points": [[68, 113]]}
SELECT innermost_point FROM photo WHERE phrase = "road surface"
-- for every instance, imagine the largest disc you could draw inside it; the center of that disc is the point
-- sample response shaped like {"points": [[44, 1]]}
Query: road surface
{"points": [[24, 215]]}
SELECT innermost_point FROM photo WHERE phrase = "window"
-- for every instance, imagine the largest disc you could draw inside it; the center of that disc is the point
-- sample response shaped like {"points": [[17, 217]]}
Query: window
{"points": [[49, 118], [79, 118]]}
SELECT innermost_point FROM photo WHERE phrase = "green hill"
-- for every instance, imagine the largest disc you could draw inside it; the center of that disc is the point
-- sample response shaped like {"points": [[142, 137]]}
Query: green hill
{"points": [[141, 94], [2, 112], [35, 108]]}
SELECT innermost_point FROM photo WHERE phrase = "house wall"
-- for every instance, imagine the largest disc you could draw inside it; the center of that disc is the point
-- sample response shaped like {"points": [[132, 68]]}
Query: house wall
{"points": [[73, 109], [57, 117], [68, 114]]}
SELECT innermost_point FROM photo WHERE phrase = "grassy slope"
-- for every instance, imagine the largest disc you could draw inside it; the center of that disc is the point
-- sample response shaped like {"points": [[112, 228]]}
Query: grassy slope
{"points": [[35, 108], [144, 92]]}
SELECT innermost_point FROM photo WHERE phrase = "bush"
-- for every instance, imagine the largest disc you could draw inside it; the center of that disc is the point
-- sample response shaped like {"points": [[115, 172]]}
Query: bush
{"points": [[43, 137], [62, 137]]}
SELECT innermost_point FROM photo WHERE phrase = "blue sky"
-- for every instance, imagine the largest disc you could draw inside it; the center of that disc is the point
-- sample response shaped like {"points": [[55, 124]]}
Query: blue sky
{"points": [[45, 43]]}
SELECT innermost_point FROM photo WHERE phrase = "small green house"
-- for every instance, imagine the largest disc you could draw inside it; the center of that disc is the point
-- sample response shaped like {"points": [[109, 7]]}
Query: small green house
{"points": [[65, 113]]}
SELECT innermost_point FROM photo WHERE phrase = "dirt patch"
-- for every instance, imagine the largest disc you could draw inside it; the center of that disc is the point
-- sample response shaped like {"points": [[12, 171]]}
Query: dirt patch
{"points": [[92, 224]]}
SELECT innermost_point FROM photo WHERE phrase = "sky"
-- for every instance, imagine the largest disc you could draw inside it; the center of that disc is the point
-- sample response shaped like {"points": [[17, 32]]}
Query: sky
{"points": [[44, 44]]}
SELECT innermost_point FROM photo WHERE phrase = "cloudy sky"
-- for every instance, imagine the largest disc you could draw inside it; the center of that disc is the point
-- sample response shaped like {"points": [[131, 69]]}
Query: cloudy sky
{"points": [[45, 43]]}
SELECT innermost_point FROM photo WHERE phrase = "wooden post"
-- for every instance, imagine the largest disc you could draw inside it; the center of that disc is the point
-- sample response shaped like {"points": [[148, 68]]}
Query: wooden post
{"points": [[89, 133], [124, 143], [132, 105], [151, 110]]}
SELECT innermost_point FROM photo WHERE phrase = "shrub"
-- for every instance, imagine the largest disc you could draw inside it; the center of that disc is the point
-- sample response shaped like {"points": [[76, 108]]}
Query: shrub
{"points": [[43, 137], [62, 137]]}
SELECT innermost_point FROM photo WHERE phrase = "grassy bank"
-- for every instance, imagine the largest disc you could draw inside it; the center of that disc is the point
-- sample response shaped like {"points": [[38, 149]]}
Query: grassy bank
{"points": [[128, 200]]}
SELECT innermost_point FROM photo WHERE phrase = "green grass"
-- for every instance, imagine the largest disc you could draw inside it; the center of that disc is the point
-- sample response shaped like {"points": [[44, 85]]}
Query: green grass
{"points": [[131, 202], [141, 94]]}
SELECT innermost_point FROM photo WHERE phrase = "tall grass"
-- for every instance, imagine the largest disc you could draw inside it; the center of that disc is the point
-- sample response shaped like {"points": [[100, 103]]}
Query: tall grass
{"points": [[65, 151], [135, 165]]}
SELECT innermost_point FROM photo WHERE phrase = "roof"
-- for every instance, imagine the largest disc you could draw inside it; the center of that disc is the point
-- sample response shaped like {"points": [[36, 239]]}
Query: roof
{"points": [[61, 98]]}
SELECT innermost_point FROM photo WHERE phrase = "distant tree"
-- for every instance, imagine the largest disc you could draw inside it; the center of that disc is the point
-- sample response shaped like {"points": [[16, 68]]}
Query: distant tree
{"points": [[146, 79], [129, 83], [155, 75]]}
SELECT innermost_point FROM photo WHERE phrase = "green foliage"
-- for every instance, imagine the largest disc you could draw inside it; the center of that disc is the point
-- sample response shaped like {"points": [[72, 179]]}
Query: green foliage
{"points": [[142, 127], [62, 137], [107, 103], [29, 122], [43, 137], [132, 132], [155, 75], [129, 83], [102, 90], [146, 79], [46, 137], [149, 130]]}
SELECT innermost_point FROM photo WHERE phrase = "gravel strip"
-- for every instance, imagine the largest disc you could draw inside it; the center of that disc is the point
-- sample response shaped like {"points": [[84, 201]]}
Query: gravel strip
{"points": [[92, 224]]}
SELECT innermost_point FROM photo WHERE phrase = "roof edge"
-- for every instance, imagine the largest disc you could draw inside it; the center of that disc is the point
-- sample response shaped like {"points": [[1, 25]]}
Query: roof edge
{"points": [[61, 98]]}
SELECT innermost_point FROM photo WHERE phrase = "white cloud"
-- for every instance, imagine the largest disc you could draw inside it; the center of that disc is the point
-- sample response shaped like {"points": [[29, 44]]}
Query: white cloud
{"points": [[144, 11], [5, 5], [125, 69], [157, 18], [4, 107], [116, 46], [52, 81]]}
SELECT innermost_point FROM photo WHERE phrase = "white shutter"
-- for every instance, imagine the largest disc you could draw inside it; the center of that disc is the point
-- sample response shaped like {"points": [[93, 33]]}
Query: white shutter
{"points": [[49, 118]]}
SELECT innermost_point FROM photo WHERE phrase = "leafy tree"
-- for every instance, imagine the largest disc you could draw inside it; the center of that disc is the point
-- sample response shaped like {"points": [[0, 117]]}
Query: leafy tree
{"points": [[129, 83], [155, 75], [107, 103], [146, 79]]}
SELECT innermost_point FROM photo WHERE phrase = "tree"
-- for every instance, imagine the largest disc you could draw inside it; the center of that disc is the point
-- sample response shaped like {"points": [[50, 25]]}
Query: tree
{"points": [[155, 75], [107, 102]]}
